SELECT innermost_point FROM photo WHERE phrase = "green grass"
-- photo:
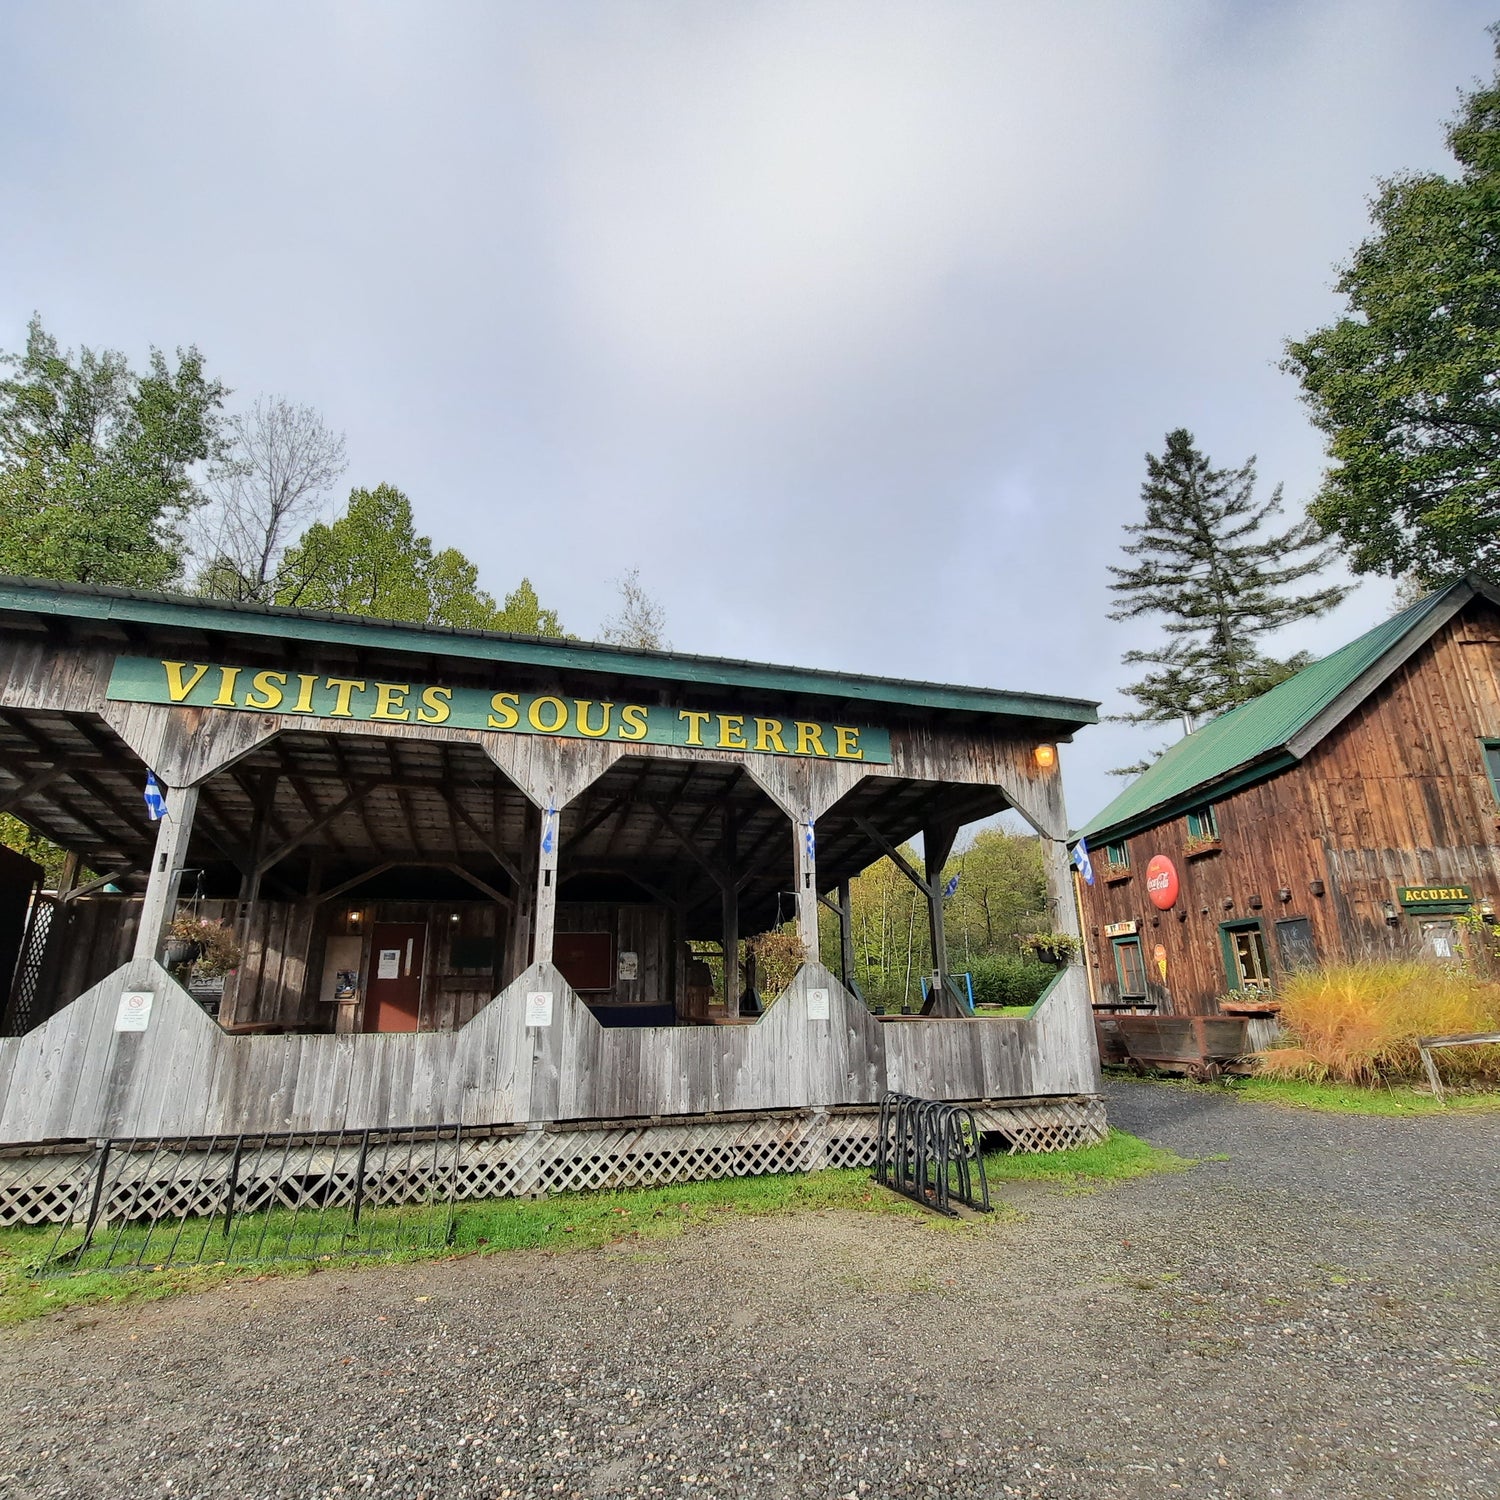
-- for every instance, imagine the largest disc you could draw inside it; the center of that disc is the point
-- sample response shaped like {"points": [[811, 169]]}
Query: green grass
{"points": [[1345, 1098], [1002, 1010], [568, 1221], [1357, 1099]]}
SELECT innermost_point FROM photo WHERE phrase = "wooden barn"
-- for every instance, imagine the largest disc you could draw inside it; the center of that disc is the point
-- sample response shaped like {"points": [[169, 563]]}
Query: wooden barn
{"points": [[1353, 811], [493, 881]]}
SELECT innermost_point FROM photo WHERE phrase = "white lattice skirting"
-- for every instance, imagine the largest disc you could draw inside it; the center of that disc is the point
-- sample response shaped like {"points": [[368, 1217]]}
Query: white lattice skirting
{"points": [[49, 1185]]}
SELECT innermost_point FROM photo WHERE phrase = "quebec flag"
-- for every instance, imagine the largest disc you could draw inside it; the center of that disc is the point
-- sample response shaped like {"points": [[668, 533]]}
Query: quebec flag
{"points": [[156, 803], [1084, 863]]}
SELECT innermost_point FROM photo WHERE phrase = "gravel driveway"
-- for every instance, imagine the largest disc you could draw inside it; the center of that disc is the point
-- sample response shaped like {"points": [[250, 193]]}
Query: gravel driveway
{"points": [[1319, 1315]]}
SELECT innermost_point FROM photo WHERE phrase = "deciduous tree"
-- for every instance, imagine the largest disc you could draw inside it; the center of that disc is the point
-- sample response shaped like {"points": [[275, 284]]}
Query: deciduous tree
{"points": [[1407, 383], [641, 621], [97, 462], [372, 561], [281, 462]]}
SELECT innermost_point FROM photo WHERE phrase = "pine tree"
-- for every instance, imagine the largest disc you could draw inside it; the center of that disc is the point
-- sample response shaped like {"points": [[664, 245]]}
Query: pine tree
{"points": [[1206, 566]]}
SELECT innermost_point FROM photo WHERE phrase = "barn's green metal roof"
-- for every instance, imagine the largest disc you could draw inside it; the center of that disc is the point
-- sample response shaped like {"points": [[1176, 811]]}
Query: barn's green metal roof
{"points": [[218, 616], [1252, 741]]}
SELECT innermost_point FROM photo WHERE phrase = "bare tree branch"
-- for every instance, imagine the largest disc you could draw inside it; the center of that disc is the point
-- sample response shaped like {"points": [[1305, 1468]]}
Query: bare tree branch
{"points": [[282, 462], [641, 620]]}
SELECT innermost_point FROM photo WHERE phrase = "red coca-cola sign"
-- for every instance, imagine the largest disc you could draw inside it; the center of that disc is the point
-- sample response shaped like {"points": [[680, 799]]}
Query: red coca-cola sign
{"points": [[1161, 881]]}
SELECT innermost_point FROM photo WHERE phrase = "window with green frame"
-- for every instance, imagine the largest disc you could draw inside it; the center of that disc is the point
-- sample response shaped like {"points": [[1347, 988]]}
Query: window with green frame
{"points": [[1117, 855], [1491, 750], [1130, 967], [1202, 824]]}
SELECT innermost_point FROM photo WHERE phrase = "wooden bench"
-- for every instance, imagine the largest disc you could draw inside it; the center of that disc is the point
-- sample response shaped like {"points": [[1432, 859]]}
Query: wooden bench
{"points": [[1425, 1044]]}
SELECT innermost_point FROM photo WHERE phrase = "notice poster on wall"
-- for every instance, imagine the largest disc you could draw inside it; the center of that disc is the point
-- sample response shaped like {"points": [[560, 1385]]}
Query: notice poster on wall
{"points": [[817, 1005], [134, 1013], [389, 966], [539, 1008], [630, 966]]}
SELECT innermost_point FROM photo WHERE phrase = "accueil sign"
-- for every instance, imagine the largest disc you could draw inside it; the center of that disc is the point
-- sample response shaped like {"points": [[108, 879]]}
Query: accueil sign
{"points": [[315, 695]]}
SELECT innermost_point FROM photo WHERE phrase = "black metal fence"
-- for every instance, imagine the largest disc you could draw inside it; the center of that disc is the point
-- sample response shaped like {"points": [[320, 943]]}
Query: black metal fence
{"points": [[930, 1151], [303, 1195], [18, 1010]]}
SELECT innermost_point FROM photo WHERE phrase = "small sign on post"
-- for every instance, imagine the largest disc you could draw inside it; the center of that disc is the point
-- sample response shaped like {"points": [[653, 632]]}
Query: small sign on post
{"points": [[817, 1005], [134, 1013], [539, 1008]]}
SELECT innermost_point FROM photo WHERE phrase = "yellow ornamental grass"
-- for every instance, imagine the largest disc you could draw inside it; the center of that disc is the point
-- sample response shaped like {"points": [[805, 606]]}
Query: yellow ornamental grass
{"points": [[1359, 1023]]}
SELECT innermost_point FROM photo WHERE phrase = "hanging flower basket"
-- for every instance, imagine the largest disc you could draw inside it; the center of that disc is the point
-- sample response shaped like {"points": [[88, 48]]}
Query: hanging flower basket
{"points": [[209, 947], [1056, 948]]}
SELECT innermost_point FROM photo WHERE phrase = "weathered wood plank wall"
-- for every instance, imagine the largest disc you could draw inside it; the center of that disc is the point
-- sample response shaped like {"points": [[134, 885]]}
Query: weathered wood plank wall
{"points": [[77, 1076]]}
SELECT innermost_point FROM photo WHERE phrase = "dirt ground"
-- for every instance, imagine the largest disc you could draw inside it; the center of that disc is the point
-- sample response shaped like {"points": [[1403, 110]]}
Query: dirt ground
{"points": [[1318, 1315]]}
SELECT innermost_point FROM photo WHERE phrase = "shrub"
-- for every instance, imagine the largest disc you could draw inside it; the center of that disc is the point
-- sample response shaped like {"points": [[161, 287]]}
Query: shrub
{"points": [[1000, 979], [1359, 1023]]}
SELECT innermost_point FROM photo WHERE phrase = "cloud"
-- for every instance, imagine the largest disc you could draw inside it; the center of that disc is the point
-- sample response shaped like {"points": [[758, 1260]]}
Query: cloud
{"points": [[848, 323]]}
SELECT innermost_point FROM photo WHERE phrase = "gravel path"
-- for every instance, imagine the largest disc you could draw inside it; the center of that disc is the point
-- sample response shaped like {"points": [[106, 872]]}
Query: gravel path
{"points": [[1317, 1316]]}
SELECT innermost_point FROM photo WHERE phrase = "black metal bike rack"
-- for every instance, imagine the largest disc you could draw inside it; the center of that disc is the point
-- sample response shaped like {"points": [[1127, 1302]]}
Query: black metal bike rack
{"points": [[929, 1151]]}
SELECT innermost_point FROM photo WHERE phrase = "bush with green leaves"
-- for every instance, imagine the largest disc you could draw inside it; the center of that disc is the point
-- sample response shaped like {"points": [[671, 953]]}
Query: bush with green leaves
{"points": [[1000, 979]]}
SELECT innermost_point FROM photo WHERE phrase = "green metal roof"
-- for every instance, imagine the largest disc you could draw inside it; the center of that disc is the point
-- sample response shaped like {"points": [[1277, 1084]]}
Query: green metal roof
{"points": [[1253, 741], [137, 607]]}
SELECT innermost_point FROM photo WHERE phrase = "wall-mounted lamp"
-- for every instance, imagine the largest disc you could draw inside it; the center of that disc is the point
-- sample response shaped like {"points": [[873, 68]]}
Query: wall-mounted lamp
{"points": [[453, 917], [1228, 903], [1255, 903], [1316, 887], [1182, 915], [354, 916], [1390, 914], [1284, 894], [1487, 910], [1045, 756]]}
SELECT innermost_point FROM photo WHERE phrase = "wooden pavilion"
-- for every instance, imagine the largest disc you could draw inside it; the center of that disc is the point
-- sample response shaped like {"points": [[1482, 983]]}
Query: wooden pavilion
{"points": [[478, 878]]}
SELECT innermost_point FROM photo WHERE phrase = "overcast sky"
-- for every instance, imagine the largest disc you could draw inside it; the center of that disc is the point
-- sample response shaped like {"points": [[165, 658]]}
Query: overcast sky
{"points": [[849, 324]]}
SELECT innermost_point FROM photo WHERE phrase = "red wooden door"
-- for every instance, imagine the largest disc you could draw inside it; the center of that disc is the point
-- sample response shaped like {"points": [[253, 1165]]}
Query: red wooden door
{"points": [[397, 953]]}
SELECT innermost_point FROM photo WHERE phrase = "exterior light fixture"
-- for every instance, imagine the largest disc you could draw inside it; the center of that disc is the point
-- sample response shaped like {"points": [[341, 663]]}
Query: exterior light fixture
{"points": [[1316, 887], [1255, 903], [1390, 914], [453, 917], [1284, 894], [354, 916], [1229, 903], [1045, 756], [1487, 911]]}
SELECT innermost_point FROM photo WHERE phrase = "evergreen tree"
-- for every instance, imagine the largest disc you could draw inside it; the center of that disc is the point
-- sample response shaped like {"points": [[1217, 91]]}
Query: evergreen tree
{"points": [[1205, 563]]}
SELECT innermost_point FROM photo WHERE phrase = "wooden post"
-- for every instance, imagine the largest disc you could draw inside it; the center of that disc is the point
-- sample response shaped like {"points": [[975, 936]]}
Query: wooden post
{"points": [[546, 885], [805, 863], [729, 892], [172, 835], [937, 845], [68, 877], [846, 937]]}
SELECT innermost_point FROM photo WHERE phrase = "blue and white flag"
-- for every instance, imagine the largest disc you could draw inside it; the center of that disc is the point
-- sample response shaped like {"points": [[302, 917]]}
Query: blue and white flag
{"points": [[949, 889], [156, 802], [1084, 863], [549, 823], [812, 844]]}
